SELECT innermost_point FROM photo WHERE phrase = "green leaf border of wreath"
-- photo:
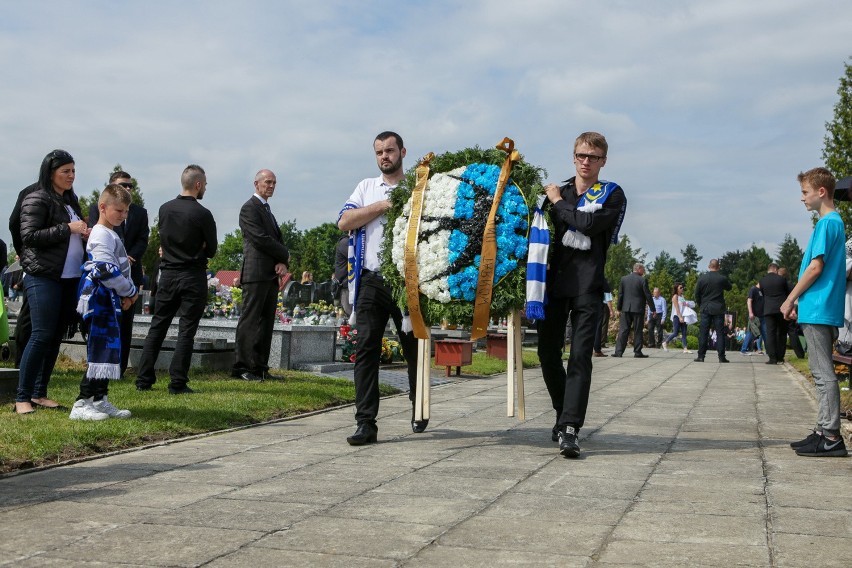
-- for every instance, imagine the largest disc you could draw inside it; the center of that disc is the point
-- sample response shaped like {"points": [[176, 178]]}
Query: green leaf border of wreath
{"points": [[510, 292]]}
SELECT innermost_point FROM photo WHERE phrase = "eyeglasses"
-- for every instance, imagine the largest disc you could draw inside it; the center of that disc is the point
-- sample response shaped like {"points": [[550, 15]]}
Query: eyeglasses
{"points": [[126, 185], [591, 157]]}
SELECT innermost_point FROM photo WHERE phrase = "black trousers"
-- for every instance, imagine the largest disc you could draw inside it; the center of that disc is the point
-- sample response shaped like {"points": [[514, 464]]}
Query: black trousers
{"points": [[776, 337], [655, 330], [23, 329], [126, 329], [602, 329], [718, 322], [254, 328], [373, 308], [793, 334], [183, 294], [569, 388], [634, 321]]}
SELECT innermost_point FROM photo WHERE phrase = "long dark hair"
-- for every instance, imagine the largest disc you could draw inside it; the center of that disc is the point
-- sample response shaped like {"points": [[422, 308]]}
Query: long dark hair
{"points": [[52, 162], [676, 286]]}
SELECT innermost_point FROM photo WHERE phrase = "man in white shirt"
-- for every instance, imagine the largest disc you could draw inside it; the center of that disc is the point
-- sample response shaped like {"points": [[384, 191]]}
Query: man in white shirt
{"points": [[364, 216], [656, 319]]}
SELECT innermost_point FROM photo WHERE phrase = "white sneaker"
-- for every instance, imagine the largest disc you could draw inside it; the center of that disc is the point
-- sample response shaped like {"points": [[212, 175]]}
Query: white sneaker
{"points": [[105, 406], [665, 346], [687, 351], [84, 410]]}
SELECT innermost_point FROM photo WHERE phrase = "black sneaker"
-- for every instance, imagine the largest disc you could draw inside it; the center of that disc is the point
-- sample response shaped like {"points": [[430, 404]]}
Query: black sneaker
{"points": [[812, 437], [554, 433], [181, 390], [568, 446], [824, 448]]}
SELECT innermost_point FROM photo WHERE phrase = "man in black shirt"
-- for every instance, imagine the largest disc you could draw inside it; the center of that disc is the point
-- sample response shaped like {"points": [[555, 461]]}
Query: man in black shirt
{"points": [[775, 290], [586, 214], [188, 239]]}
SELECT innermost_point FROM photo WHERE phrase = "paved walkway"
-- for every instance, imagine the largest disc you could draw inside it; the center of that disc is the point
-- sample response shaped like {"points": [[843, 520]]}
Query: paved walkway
{"points": [[684, 464]]}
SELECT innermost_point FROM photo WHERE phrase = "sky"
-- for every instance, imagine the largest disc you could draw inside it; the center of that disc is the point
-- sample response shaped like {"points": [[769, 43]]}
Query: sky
{"points": [[710, 109]]}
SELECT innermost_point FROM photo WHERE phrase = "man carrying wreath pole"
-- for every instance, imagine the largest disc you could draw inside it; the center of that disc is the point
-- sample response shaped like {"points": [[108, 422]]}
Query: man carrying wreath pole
{"points": [[364, 217], [586, 214]]}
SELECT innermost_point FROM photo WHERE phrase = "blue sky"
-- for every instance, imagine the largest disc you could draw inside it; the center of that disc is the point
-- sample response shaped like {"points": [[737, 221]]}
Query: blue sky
{"points": [[710, 108]]}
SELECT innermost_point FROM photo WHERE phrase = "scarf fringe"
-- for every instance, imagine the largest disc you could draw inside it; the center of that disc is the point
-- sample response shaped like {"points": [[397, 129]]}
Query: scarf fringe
{"points": [[104, 371]]}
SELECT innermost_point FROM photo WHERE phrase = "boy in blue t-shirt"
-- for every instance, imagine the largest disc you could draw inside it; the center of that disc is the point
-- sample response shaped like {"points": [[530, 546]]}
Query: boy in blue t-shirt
{"points": [[820, 292]]}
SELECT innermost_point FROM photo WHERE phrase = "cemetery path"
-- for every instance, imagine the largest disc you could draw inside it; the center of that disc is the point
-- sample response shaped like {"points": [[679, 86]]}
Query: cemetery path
{"points": [[683, 464]]}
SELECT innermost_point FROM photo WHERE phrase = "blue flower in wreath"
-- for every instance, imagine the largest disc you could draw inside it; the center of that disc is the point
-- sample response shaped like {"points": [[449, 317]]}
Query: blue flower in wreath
{"points": [[477, 184]]}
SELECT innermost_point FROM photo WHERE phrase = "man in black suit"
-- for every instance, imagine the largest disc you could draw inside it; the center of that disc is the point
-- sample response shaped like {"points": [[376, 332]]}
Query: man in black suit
{"points": [[265, 260], [775, 289], [134, 233], [633, 296], [710, 295]]}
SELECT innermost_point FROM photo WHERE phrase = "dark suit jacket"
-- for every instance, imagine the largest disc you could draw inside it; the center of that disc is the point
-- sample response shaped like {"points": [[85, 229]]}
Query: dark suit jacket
{"points": [[134, 234], [710, 292], [775, 290], [633, 294], [263, 247]]}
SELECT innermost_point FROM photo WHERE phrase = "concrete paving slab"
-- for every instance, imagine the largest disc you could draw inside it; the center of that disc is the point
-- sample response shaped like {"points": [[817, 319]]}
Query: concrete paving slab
{"points": [[157, 545], [463, 557], [378, 539], [254, 556]]}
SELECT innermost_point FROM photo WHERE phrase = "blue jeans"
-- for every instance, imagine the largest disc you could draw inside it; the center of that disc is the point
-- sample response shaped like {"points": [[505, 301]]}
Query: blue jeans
{"points": [[677, 326], [53, 305]]}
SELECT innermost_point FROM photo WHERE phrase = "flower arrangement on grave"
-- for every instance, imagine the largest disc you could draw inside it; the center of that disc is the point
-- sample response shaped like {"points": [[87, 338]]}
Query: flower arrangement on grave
{"points": [[391, 350], [457, 200], [350, 343]]}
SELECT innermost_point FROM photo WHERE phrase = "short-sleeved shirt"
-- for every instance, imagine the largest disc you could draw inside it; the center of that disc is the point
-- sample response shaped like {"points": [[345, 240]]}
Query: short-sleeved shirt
{"points": [[823, 302], [756, 296], [367, 192]]}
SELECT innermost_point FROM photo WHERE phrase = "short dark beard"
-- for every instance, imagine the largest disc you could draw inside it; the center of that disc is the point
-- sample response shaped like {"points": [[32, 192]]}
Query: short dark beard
{"points": [[394, 168]]}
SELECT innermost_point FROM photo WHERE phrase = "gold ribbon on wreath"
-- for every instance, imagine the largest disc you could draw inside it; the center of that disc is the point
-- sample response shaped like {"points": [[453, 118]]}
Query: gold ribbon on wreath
{"points": [[485, 282], [412, 275]]}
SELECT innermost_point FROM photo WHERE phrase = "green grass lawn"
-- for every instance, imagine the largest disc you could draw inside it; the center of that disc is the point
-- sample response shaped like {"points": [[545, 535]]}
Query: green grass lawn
{"points": [[48, 436], [801, 365]]}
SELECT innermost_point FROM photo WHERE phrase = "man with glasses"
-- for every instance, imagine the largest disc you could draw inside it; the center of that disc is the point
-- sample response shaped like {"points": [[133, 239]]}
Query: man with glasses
{"points": [[586, 213], [134, 233]]}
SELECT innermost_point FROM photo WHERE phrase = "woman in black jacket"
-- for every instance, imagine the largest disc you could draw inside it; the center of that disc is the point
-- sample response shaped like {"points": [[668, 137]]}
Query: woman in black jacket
{"points": [[52, 231]]}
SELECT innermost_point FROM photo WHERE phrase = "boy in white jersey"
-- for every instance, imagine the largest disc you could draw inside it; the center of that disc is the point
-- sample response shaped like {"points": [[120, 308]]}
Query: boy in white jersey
{"points": [[105, 291]]}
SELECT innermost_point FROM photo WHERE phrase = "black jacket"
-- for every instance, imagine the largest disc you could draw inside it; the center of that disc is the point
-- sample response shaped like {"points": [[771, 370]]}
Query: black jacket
{"points": [[710, 292], [263, 247], [633, 294], [15, 218], [45, 232], [575, 272], [775, 289]]}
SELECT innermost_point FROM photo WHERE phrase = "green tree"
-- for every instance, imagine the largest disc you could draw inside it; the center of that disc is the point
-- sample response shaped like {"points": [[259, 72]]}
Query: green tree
{"points": [[664, 281], [292, 239], [691, 258], [790, 257], [735, 301], [620, 260], [689, 285], [229, 253], [664, 262], [729, 262], [318, 246], [752, 267], [837, 148]]}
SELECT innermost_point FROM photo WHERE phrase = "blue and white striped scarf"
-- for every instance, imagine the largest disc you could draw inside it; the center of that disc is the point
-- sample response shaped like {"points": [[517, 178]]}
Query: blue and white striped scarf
{"points": [[355, 254], [101, 307], [537, 263]]}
